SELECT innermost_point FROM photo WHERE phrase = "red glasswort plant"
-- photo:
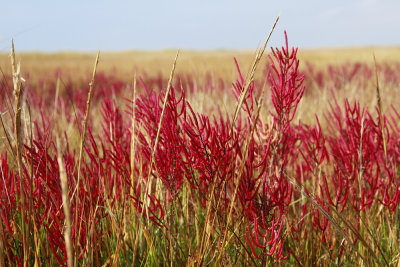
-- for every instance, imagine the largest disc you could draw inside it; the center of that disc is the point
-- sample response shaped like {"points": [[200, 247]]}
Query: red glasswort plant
{"points": [[345, 169], [274, 192]]}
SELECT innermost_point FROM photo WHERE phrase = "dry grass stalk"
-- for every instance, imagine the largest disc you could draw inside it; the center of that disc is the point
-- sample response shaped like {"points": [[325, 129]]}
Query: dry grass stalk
{"points": [[250, 74], [120, 237], [57, 92], [135, 246], [379, 103], [83, 136], [336, 224], [8, 137], [132, 152], [66, 206], [17, 81], [149, 177], [147, 237], [82, 143], [375, 241], [209, 222], [30, 214], [127, 223], [249, 80], [242, 166], [360, 162], [378, 94], [38, 243]]}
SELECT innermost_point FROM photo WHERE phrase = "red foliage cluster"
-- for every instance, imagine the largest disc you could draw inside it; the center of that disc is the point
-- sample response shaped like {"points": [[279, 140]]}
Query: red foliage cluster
{"points": [[352, 166]]}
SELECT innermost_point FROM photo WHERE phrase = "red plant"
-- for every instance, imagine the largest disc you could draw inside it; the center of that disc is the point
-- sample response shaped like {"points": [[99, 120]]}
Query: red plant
{"points": [[350, 168]]}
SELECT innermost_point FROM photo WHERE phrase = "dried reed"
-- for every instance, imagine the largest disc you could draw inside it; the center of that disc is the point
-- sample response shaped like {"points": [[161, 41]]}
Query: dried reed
{"points": [[66, 206], [17, 81]]}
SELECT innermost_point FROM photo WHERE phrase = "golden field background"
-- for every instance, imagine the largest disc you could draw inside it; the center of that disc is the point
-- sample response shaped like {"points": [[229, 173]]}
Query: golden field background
{"points": [[219, 62], [219, 65]]}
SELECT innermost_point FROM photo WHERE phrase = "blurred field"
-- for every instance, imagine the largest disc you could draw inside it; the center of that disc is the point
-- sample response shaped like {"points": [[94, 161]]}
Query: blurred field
{"points": [[218, 66], [197, 63], [208, 75]]}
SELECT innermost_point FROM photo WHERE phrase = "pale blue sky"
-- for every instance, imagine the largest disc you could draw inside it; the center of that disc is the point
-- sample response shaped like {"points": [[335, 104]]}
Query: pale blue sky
{"points": [[88, 25]]}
